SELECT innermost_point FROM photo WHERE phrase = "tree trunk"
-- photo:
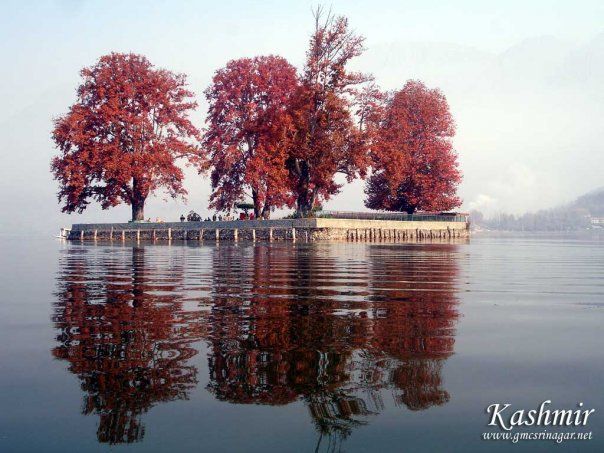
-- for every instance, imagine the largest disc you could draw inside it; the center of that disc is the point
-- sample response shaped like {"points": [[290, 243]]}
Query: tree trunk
{"points": [[305, 203], [256, 201], [304, 200], [266, 212], [138, 209], [137, 202]]}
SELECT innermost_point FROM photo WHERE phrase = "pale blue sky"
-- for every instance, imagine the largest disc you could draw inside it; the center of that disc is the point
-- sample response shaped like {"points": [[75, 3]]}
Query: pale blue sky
{"points": [[523, 79]]}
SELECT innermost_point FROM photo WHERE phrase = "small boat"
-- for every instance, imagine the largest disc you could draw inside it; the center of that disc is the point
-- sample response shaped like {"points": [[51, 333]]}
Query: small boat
{"points": [[64, 233]]}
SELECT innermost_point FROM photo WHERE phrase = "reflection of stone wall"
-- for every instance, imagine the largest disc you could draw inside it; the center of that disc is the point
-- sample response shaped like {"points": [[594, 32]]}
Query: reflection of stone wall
{"points": [[266, 230]]}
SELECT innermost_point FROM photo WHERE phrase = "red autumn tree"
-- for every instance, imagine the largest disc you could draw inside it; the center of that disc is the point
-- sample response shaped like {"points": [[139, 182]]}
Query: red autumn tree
{"points": [[415, 166], [249, 129], [328, 139], [120, 141]]}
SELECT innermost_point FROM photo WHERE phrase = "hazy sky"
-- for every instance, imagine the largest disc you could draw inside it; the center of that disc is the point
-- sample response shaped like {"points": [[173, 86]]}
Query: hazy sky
{"points": [[523, 79]]}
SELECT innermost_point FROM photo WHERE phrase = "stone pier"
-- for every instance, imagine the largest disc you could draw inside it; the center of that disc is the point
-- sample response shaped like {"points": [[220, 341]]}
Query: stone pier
{"points": [[305, 230]]}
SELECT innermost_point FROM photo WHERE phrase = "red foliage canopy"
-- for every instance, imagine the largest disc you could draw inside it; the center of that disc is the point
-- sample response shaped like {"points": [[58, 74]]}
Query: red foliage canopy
{"points": [[415, 166], [120, 140], [327, 140], [249, 129]]}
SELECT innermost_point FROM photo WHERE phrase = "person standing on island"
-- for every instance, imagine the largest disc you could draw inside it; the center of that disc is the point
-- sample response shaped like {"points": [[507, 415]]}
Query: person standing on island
{"points": [[182, 217]]}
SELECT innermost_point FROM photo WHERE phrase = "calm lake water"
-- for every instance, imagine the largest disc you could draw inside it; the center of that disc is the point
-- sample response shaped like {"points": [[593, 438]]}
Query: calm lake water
{"points": [[296, 347]]}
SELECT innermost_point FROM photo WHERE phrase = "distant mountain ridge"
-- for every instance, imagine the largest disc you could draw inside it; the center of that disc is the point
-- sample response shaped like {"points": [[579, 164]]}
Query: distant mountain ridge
{"points": [[577, 215], [592, 202]]}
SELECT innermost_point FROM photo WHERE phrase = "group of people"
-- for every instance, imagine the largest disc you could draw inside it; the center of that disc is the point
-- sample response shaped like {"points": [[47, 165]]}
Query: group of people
{"points": [[194, 217]]}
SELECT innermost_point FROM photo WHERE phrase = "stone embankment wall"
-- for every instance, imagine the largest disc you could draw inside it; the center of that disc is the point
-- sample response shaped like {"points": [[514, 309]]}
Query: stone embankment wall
{"points": [[273, 230]]}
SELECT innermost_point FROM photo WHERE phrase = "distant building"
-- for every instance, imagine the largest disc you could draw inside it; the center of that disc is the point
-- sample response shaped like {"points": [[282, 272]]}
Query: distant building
{"points": [[597, 222]]}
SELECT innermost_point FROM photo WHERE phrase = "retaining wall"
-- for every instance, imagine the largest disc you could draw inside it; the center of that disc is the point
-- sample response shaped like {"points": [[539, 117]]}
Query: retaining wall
{"points": [[274, 230]]}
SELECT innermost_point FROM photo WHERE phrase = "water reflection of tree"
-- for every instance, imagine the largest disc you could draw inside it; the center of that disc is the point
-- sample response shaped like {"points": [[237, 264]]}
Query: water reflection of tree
{"points": [[127, 342], [284, 326], [312, 323], [414, 309]]}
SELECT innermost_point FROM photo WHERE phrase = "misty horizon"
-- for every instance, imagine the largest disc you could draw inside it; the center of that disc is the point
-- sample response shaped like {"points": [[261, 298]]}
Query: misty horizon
{"points": [[524, 106]]}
